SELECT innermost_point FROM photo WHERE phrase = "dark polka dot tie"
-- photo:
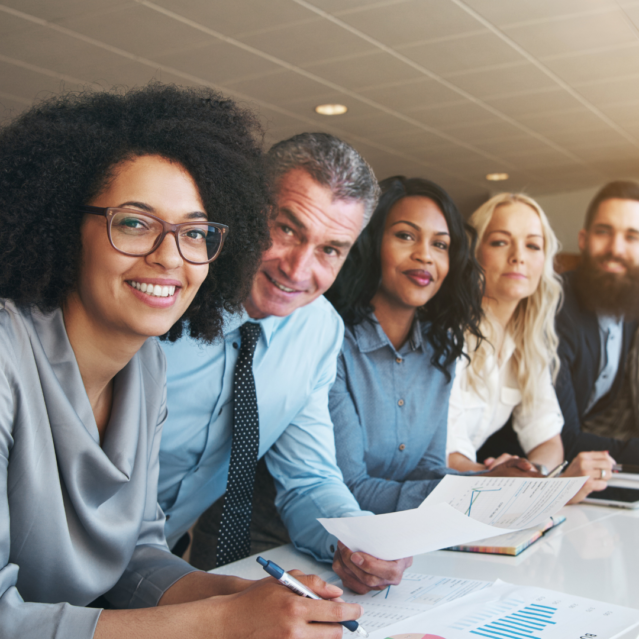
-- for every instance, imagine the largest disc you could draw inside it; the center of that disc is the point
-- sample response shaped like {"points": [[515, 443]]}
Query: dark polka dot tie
{"points": [[234, 540]]}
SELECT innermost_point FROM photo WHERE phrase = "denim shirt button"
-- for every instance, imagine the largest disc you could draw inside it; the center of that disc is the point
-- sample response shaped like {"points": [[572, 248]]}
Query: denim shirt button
{"points": [[400, 402], [402, 446]]}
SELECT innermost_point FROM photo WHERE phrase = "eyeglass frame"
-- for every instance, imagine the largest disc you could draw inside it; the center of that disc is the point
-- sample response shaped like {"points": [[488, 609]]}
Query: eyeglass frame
{"points": [[106, 211]]}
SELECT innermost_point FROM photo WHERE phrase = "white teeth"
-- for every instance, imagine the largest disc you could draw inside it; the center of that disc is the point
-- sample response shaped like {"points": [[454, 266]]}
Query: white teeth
{"points": [[156, 291], [283, 288]]}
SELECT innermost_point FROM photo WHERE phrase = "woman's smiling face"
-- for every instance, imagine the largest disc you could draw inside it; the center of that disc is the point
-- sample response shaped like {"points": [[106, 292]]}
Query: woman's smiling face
{"points": [[110, 283], [414, 253]]}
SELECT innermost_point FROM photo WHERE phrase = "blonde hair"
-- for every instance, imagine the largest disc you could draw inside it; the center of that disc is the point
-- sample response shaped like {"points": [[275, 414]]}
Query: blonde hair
{"points": [[532, 325]]}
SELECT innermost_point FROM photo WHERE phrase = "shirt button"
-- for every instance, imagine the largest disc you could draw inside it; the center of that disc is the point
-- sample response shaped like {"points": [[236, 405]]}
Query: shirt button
{"points": [[235, 345], [402, 446], [399, 360], [168, 517], [400, 402]]}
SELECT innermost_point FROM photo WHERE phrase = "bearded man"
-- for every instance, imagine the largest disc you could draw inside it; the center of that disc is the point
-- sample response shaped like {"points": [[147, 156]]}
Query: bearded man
{"points": [[598, 383]]}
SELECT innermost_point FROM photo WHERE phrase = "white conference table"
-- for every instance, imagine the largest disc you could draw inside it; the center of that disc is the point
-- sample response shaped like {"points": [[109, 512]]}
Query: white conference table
{"points": [[594, 553]]}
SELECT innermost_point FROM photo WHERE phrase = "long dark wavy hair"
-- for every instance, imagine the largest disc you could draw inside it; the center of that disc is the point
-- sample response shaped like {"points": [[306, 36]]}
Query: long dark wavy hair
{"points": [[454, 310], [62, 153]]}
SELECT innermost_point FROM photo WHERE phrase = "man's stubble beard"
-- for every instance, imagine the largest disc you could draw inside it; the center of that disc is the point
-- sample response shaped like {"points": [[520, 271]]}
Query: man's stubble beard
{"points": [[615, 294]]}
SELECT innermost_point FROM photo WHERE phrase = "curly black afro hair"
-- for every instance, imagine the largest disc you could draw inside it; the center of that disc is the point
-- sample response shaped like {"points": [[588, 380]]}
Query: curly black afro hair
{"points": [[61, 154]]}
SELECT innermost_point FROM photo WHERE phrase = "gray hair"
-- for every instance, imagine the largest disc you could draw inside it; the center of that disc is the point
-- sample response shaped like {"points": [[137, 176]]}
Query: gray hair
{"points": [[331, 162]]}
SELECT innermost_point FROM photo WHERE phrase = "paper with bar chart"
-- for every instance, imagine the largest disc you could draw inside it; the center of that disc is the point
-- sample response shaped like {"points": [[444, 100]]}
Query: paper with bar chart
{"points": [[464, 508], [505, 611]]}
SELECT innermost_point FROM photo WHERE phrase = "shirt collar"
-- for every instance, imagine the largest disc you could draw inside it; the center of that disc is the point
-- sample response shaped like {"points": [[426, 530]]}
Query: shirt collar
{"points": [[370, 336], [233, 321]]}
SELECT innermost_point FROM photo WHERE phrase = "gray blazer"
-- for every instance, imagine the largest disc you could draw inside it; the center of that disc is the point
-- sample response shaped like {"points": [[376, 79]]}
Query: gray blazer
{"points": [[76, 520]]}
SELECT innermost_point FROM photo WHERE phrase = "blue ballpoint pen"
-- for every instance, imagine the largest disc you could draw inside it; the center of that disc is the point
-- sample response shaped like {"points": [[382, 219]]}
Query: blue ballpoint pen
{"points": [[299, 588]]}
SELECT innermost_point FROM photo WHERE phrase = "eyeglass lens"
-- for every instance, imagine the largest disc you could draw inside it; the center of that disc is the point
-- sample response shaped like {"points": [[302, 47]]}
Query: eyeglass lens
{"points": [[136, 234]]}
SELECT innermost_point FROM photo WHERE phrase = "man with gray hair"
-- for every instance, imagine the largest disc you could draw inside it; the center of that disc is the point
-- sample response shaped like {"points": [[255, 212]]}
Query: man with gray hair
{"points": [[262, 391]]}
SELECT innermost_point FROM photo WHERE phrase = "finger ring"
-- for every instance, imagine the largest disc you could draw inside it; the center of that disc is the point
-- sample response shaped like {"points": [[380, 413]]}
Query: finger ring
{"points": [[603, 474]]}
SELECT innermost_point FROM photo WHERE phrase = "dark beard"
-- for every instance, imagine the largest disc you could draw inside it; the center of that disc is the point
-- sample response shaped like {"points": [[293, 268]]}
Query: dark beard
{"points": [[615, 294]]}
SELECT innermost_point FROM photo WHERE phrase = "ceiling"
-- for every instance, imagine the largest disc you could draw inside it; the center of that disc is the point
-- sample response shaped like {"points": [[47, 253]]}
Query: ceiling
{"points": [[545, 90]]}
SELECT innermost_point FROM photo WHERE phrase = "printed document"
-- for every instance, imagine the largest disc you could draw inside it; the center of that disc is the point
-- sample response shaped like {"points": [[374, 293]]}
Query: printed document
{"points": [[460, 510], [505, 611]]}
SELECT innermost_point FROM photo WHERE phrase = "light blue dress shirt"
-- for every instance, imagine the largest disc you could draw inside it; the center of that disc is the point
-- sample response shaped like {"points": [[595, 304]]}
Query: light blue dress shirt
{"points": [[390, 411], [611, 337], [294, 368]]}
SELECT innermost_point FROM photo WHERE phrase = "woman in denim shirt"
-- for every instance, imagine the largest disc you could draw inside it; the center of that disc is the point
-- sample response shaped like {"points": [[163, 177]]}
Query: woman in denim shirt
{"points": [[408, 292]]}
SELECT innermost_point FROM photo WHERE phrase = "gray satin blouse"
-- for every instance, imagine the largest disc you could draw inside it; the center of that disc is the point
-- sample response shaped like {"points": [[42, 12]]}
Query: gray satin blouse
{"points": [[76, 520]]}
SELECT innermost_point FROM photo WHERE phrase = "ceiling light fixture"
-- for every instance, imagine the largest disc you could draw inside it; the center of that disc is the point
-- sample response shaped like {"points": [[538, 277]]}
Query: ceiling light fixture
{"points": [[331, 109], [497, 177]]}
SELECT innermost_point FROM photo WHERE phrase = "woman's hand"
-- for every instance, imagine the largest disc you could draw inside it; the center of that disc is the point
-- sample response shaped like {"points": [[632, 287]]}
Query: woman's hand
{"points": [[491, 462], [597, 466], [268, 610]]}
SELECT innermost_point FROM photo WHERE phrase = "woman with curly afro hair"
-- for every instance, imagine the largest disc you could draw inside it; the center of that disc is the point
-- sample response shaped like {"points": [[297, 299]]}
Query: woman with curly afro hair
{"points": [[124, 216]]}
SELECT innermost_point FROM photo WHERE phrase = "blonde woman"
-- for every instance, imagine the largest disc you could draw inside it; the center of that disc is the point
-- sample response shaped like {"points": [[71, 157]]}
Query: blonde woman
{"points": [[511, 372]]}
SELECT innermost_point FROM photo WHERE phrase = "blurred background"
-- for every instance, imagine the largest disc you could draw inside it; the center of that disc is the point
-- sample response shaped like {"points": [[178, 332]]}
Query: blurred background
{"points": [[545, 91]]}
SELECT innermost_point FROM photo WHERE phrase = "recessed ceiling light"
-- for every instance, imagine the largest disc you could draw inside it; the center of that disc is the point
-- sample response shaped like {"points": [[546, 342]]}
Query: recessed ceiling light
{"points": [[497, 177], [331, 109]]}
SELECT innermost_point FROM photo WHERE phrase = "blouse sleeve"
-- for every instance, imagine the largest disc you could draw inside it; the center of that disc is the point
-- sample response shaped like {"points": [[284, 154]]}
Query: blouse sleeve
{"points": [[543, 421], [461, 405], [20, 619], [153, 569], [373, 493]]}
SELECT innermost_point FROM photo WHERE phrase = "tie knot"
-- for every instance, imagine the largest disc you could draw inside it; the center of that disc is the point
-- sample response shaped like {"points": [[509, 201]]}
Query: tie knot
{"points": [[250, 333]]}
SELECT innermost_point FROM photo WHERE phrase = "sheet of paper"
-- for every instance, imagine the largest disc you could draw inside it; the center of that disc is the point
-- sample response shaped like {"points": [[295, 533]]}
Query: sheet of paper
{"points": [[505, 611], [408, 532], [414, 595], [505, 502], [453, 516]]}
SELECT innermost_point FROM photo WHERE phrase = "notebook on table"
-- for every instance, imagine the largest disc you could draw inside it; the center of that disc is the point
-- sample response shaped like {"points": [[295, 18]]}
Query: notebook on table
{"points": [[511, 543]]}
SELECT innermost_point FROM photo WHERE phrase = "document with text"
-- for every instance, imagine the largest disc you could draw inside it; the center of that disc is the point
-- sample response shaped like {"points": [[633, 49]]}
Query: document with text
{"points": [[460, 510]]}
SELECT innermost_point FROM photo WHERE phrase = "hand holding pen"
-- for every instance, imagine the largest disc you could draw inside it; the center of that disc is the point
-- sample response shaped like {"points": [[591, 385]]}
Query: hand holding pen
{"points": [[299, 588]]}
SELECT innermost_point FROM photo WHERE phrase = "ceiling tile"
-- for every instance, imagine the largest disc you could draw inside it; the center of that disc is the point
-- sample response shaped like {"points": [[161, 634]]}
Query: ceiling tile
{"points": [[502, 13], [311, 42], [625, 113], [534, 103], [366, 70], [487, 82], [137, 30], [462, 54], [53, 50], [13, 25], [412, 95], [596, 65], [368, 127], [219, 62], [412, 21], [610, 91], [235, 18], [452, 115], [54, 11], [279, 87], [415, 142], [573, 34], [490, 130]]}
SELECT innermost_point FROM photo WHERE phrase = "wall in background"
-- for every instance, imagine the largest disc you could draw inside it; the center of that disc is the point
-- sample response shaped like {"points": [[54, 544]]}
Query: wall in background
{"points": [[566, 213]]}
